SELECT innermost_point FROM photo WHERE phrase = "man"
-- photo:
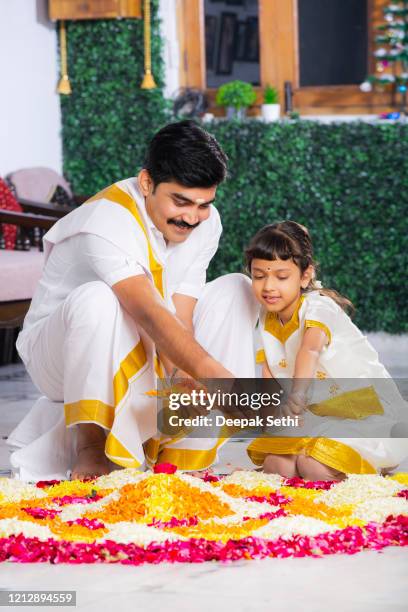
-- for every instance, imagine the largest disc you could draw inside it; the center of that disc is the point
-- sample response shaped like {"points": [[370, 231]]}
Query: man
{"points": [[123, 293]]}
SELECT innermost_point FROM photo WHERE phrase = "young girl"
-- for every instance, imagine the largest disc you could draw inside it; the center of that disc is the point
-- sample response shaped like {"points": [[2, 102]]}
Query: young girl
{"points": [[337, 385]]}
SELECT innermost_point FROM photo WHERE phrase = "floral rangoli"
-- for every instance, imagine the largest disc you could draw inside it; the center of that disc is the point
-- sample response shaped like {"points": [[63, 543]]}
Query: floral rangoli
{"points": [[134, 517]]}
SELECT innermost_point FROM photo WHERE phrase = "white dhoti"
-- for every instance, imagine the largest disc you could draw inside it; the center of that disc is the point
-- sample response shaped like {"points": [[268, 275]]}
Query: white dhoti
{"points": [[356, 415], [94, 364]]}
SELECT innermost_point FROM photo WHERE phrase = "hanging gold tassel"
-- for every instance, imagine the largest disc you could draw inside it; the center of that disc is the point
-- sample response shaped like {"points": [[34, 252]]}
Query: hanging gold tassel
{"points": [[64, 86], [148, 80]]}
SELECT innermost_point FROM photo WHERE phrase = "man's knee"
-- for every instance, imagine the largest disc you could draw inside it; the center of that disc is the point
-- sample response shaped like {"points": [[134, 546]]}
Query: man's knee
{"points": [[234, 288], [90, 304], [234, 282]]}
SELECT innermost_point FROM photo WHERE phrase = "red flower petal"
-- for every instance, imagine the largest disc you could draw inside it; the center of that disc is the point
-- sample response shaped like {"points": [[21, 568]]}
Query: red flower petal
{"points": [[164, 468], [42, 484]]}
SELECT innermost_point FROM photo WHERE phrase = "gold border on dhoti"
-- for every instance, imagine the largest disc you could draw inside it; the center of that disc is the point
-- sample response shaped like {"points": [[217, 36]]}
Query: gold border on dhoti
{"points": [[333, 453], [188, 458], [355, 404], [89, 411], [118, 453], [95, 411]]}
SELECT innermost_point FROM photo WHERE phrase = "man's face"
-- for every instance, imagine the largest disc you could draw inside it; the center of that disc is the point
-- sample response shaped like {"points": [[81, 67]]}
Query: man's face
{"points": [[174, 209]]}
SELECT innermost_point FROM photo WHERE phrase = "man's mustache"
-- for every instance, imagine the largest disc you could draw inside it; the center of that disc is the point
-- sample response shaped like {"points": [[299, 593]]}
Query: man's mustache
{"points": [[183, 223]]}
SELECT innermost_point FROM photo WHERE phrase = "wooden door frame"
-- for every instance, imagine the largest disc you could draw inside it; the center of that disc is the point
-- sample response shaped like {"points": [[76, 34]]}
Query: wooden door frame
{"points": [[190, 22], [279, 60]]}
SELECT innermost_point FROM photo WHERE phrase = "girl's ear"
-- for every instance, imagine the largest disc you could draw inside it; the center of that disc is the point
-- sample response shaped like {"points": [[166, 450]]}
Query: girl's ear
{"points": [[307, 276]]}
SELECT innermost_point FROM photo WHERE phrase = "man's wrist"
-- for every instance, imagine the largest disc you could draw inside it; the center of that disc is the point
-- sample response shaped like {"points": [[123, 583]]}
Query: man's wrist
{"points": [[210, 368]]}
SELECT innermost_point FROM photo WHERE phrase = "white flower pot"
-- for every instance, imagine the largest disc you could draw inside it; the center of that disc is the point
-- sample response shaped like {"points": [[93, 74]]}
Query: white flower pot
{"points": [[270, 112]]}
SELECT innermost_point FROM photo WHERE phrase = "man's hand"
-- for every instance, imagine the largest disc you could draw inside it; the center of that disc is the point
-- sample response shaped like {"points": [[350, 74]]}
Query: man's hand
{"points": [[144, 304]]}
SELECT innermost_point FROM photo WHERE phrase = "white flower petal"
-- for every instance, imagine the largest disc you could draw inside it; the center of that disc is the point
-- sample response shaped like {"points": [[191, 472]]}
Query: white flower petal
{"points": [[29, 529], [288, 526], [142, 535], [358, 488], [378, 511], [13, 490]]}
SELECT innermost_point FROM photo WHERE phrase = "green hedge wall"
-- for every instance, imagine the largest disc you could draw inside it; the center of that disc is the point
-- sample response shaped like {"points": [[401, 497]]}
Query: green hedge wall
{"points": [[347, 182], [108, 119]]}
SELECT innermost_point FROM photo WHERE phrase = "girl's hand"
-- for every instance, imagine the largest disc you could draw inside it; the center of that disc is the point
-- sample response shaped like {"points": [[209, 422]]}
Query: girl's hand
{"points": [[295, 405]]}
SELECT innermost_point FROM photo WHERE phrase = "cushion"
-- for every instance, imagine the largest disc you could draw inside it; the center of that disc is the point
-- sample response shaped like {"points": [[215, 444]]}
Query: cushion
{"points": [[8, 202], [60, 196], [20, 272], [37, 184]]}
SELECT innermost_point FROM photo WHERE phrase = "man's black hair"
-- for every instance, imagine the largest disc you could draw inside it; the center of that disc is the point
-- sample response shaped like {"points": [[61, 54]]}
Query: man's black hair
{"points": [[184, 153]]}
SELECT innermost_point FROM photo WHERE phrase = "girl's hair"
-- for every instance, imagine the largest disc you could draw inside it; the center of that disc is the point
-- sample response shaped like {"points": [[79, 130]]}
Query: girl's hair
{"points": [[290, 240]]}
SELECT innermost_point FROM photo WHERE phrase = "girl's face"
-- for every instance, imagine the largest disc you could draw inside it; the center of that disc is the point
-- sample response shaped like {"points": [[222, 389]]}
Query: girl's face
{"points": [[277, 285]]}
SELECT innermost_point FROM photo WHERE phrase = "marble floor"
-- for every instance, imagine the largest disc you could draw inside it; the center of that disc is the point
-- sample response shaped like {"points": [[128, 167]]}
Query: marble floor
{"points": [[368, 581]]}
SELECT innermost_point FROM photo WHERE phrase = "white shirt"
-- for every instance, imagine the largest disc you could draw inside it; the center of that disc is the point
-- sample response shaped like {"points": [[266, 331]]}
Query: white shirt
{"points": [[187, 262], [87, 257], [347, 353], [347, 363]]}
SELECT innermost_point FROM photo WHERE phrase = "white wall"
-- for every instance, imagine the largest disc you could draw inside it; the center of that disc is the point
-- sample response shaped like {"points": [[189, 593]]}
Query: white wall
{"points": [[171, 53], [30, 117], [29, 107]]}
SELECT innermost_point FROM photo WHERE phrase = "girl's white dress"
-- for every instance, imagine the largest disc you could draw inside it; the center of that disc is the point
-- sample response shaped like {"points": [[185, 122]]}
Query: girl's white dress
{"points": [[355, 411]]}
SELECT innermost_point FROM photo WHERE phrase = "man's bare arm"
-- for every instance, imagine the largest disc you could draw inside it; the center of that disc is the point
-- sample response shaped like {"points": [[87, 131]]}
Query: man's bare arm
{"points": [[144, 304], [184, 305]]}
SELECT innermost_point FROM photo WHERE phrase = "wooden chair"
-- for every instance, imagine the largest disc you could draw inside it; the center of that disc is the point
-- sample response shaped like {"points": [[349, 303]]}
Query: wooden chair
{"points": [[20, 270], [36, 185]]}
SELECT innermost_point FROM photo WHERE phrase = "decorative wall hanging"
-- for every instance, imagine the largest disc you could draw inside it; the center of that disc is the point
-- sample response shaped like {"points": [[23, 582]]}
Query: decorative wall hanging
{"points": [[148, 80], [64, 86], [63, 10]]}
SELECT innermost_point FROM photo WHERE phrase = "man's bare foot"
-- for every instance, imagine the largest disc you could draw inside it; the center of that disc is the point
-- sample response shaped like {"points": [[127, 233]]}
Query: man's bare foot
{"points": [[91, 460]]}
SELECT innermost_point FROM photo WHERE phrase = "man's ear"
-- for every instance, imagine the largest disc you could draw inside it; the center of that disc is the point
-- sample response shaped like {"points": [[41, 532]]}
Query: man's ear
{"points": [[307, 276], [145, 182]]}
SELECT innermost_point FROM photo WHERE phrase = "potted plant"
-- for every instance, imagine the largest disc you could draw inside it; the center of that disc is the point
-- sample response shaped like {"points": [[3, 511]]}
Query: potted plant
{"points": [[271, 106], [236, 96]]}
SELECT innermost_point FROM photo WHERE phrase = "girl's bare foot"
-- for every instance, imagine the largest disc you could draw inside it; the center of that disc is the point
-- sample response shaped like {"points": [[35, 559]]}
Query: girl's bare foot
{"points": [[311, 469], [91, 460], [284, 465]]}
